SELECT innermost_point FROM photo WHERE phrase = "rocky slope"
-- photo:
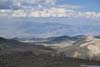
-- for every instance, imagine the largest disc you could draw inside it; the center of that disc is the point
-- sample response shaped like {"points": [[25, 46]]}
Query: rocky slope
{"points": [[86, 48]]}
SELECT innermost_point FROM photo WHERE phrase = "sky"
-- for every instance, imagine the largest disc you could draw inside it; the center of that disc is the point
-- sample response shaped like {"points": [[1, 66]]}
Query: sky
{"points": [[47, 18], [88, 5]]}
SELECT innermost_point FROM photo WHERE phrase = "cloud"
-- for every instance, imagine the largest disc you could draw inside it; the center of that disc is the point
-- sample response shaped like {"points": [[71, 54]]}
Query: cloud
{"points": [[19, 13], [50, 12], [33, 4], [43, 8], [92, 15], [23, 4], [68, 6]]}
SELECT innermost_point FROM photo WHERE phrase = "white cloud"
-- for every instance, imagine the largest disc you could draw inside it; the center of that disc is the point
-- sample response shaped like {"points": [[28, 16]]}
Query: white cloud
{"points": [[5, 12], [19, 13], [70, 6], [89, 14], [50, 12], [98, 15], [32, 3]]}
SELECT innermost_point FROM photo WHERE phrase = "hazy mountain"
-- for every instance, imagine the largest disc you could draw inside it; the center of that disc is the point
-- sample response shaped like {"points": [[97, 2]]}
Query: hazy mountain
{"points": [[86, 48], [45, 27], [58, 41], [78, 37], [98, 36], [31, 40], [8, 43]]}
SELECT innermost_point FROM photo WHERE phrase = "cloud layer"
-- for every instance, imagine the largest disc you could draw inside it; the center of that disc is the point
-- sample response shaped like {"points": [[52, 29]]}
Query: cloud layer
{"points": [[22, 4], [43, 8], [51, 12]]}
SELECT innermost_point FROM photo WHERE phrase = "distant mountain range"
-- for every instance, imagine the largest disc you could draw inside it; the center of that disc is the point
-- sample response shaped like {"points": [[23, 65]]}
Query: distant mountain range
{"points": [[57, 39]]}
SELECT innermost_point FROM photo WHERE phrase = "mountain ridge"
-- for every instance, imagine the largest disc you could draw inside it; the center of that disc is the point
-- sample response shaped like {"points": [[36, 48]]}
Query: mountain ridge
{"points": [[86, 48]]}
